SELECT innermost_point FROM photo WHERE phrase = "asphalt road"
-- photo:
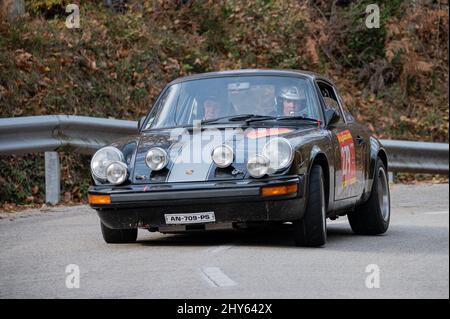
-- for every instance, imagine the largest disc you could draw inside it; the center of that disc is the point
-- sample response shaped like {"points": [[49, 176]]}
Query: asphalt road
{"points": [[412, 258]]}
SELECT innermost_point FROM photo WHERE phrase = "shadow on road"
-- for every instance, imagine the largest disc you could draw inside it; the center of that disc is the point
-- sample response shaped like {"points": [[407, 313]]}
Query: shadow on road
{"points": [[272, 236], [255, 237], [405, 238]]}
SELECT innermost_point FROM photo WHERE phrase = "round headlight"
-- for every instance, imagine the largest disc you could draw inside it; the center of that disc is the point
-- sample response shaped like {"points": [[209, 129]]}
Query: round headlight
{"points": [[101, 160], [222, 155], [279, 152], [116, 173], [258, 166], [156, 158]]}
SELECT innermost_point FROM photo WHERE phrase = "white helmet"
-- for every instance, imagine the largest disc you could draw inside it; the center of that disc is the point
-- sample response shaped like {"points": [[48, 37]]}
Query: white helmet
{"points": [[290, 93]]}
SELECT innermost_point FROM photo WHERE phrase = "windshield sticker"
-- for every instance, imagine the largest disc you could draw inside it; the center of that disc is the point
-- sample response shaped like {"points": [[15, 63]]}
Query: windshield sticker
{"points": [[348, 161], [267, 132]]}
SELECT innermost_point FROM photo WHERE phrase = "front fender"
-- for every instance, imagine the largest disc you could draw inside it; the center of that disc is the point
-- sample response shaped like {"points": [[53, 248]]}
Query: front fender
{"points": [[319, 156], [376, 150], [315, 150]]}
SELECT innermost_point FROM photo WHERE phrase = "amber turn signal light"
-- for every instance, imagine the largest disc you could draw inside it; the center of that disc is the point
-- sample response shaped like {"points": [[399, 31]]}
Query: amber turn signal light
{"points": [[99, 199], [279, 190]]}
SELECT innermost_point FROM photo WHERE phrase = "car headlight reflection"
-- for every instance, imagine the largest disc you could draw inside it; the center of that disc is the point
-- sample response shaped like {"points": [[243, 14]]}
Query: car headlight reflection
{"points": [[156, 158], [116, 173], [279, 152], [258, 166], [222, 156], [102, 159]]}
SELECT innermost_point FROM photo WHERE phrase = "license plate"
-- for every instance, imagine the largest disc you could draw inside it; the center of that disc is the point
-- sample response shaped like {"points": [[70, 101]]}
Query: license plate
{"points": [[204, 217]]}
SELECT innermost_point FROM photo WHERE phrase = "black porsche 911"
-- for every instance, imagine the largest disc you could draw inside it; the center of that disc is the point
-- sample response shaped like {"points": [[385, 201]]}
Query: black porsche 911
{"points": [[238, 148]]}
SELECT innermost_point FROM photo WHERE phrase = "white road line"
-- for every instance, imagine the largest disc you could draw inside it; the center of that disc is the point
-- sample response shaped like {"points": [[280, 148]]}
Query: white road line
{"points": [[437, 213], [216, 277], [218, 249], [338, 222]]}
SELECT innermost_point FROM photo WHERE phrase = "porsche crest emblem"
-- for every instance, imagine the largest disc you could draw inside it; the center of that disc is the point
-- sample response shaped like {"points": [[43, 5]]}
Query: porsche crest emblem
{"points": [[189, 171]]}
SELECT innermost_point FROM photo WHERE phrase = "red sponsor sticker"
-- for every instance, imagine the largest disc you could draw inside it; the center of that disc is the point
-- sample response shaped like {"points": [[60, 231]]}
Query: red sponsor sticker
{"points": [[348, 161], [267, 132]]}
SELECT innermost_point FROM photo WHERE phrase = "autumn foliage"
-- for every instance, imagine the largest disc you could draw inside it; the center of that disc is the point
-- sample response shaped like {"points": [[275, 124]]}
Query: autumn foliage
{"points": [[394, 78]]}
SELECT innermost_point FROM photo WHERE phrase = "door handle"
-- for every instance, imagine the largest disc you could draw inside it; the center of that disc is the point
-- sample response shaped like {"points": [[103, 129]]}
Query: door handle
{"points": [[360, 140]]}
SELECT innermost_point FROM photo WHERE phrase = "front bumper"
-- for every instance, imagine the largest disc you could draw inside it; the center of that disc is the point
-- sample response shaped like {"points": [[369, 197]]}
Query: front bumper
{"points": [[231, 201]]}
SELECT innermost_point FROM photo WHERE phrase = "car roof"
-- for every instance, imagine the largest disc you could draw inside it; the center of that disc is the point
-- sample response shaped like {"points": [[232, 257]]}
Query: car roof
{"points": [[249, 72]]}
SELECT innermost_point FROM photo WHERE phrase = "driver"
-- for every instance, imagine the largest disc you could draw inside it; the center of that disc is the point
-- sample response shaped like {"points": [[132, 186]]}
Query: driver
{"points": [[292, 102], [212, 108]]}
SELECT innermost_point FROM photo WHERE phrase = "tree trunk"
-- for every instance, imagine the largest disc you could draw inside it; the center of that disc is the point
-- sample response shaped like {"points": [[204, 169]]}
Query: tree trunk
{"points": [[11, 9]]}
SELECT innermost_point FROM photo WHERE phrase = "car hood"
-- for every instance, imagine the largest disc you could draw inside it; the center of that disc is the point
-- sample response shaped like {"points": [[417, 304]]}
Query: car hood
{"points": [[190, 152]]}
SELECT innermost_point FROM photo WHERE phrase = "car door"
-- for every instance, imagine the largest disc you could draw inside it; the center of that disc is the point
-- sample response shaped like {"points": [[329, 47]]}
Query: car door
{"points": [[361, 136], [348, 156]]}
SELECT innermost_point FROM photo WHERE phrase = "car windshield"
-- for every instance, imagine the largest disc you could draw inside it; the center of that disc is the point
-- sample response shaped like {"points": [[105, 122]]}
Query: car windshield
{"points": [[232, 98]]}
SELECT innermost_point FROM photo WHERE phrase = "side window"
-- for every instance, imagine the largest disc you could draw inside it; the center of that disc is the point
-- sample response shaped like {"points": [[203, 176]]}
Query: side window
{"points": [[329, 97], [348, 116]]}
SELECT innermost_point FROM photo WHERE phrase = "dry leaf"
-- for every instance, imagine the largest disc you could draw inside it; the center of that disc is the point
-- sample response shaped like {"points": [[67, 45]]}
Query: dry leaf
{"points": [[423, 66], [23, 59]]}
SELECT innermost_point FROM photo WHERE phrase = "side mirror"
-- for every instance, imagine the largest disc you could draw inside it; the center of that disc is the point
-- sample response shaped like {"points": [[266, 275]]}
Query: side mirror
{"points": [[331, 116], [141, 122]]}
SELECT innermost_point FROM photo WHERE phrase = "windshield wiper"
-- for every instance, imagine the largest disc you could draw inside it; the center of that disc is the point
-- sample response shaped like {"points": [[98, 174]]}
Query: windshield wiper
{"points": [[298, 117], [239, 118], [248, 118], [282, 118]]}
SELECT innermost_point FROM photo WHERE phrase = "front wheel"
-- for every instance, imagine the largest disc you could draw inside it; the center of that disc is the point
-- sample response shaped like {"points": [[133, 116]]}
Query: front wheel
{"points": [[372, 217], [311, 230], [118, 236]]}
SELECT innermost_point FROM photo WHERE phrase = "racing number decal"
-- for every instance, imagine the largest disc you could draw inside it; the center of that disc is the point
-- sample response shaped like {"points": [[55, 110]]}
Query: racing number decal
{"points": [[348, 162]]}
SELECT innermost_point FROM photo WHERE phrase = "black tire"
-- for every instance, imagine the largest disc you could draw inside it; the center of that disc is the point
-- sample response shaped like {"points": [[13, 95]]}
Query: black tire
{"points": [[118, 236], [373, 216], [311, 230]]}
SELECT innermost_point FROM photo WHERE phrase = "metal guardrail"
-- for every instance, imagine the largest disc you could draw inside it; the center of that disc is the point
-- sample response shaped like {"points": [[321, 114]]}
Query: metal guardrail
{"points": [[82, 134], [417, 157], [85, 135]]}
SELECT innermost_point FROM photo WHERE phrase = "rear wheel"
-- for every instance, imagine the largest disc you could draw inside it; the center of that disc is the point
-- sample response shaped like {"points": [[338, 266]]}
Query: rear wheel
{"points": [[311, 230], [372, 217], [118, 236]]}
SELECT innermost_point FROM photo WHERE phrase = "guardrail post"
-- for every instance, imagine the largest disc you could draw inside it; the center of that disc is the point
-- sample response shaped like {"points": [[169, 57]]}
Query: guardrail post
{"points": [[52, 178], [391, 177]]}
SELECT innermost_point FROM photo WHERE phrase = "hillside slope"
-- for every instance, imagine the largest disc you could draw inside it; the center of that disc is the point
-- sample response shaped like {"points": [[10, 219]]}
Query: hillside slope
{"points": [[395, 78]]}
